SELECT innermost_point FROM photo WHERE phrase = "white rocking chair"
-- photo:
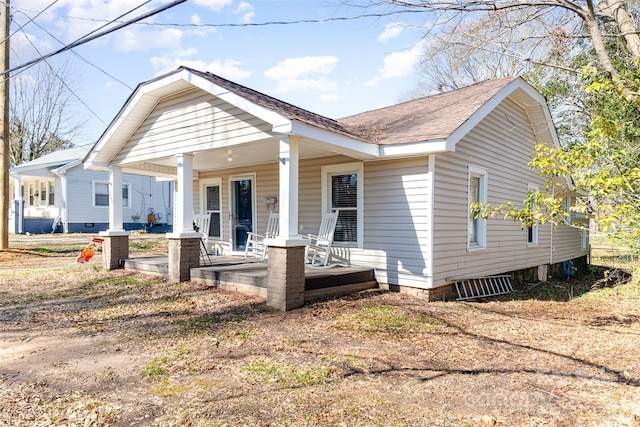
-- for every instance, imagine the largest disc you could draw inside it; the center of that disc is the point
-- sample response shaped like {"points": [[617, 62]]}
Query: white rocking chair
{"points": [[201, 225], [255, 242], [318, 253]]}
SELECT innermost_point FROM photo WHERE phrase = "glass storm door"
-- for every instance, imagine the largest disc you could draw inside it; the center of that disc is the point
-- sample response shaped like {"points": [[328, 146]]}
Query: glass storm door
{"points": [[242, 209], [213, 209]]}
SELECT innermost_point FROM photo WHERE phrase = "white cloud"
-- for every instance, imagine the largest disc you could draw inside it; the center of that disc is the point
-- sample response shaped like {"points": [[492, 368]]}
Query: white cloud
{"points": [[399, 64], [246, 10], [305, 73], [292, 68], [391, 31], [131, 39], [228, 68], [215, 5]]}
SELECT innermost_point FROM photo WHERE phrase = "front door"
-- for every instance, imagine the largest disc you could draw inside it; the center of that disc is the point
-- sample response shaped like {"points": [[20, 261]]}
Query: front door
{"points": [[242, 206]]}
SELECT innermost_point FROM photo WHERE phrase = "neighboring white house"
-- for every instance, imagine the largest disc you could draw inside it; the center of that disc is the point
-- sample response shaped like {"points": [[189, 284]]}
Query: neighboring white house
{"points": [[403, 177], [56, 193]]}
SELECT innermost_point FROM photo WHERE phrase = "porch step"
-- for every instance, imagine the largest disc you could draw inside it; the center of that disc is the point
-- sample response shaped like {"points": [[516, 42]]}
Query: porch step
{"points": [[152, 264], [338, 276]]}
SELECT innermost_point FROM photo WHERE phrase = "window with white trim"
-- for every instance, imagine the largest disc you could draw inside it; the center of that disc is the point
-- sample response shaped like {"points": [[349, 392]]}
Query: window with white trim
{"points": [[477, 226], [213, 206], [532, 231], [52, 193], [101, 194], [342, 191], [32, 193]]}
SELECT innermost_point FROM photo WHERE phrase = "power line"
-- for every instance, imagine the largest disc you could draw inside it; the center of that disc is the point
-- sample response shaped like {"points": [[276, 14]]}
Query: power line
{"points": [[77, 54], [260, 24], [31, 19], [95, 35], [62, 81]]}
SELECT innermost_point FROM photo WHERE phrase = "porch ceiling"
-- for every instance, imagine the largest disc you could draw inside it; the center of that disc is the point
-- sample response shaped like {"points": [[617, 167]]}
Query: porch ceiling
{"points": [[259, 152]]}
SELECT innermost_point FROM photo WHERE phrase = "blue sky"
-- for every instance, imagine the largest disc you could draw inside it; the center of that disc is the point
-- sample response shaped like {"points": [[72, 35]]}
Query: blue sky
{"points": [[335, 68]]}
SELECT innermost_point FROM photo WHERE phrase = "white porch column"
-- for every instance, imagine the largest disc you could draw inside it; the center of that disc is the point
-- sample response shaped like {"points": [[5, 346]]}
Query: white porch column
{"points": [[288, 197], [115, 239], [183, 216], [64, 190], [115, 199], [18, 205], [286, 264], [17, 187]]}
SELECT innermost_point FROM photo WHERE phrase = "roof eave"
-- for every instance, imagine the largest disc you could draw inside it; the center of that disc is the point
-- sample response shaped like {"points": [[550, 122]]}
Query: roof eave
{"points": [[416, 148], [338, 143]]}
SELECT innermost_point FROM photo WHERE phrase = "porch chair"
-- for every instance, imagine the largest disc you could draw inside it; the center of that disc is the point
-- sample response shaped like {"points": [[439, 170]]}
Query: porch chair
{"points": [[318, 253], [201, 225], [255, 242]]}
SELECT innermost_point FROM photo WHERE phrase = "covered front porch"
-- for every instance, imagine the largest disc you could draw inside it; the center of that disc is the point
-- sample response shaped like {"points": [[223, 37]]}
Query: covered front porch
{"points": [[235, 273], [235, 155]]}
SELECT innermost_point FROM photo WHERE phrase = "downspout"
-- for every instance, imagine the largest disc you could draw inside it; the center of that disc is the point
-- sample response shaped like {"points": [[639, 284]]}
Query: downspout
{"points": [[431, 219], [63, 190], [553, 195]]}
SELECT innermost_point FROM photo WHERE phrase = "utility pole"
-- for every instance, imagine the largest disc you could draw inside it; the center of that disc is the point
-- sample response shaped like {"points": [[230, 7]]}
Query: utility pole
{"points": [[5, 154]]}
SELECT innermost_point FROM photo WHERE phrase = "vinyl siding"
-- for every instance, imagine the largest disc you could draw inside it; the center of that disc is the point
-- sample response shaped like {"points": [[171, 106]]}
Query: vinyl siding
{"points": [[396, 201], [193, 119], [266, 185], [146, 193], [502, 144]]}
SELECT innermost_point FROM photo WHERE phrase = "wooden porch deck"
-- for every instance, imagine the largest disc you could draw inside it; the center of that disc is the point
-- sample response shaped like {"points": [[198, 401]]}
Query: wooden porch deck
{"points": [[250, 277]]}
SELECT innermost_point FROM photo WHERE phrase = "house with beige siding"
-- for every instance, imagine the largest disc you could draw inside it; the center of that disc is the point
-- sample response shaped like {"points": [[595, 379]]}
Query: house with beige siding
{"points": [[55, 193], [402, 177]]}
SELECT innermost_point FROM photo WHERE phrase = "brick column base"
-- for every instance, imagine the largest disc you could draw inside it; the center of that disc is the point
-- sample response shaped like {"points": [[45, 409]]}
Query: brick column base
{"points": [[285, 277], [184, 254], [114, 249]]}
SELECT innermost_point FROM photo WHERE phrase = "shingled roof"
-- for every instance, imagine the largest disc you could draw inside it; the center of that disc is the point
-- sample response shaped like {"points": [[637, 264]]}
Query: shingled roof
{"points": [[283, 108], [424, 119]]}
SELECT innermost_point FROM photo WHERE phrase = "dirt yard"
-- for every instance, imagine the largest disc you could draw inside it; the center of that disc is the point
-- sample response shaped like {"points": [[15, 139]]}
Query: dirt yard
{"points": [[83, 347]]}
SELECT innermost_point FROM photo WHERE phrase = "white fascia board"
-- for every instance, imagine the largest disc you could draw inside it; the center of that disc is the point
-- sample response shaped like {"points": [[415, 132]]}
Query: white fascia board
{"points": [[341, 143], [242, 103], [25, 170], [492, 103], [145, 90], [415, 148], [63, 169]]}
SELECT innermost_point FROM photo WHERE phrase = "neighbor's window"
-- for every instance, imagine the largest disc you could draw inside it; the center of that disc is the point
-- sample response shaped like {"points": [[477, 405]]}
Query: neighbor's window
{"points": [[101, 194], [477, 227], [32, 194], [43, 193], [52, 193], [532, 232], [342, 192]]}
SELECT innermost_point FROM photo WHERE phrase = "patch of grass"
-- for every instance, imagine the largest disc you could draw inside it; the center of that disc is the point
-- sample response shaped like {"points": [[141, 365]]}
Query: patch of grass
{"points": [[197, 324], [161, 366], [383, 319], [283, 372], [238, 335], [166, 389]]}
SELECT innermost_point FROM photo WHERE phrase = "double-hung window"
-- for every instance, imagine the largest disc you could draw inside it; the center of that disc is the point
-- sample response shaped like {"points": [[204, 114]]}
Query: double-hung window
{"points": [[342, 191], [101, 194], [532, 231], [477, 226]]}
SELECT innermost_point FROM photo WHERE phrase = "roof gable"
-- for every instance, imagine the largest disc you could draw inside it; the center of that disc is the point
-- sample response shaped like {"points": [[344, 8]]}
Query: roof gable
{"points": [[54, 160]]}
